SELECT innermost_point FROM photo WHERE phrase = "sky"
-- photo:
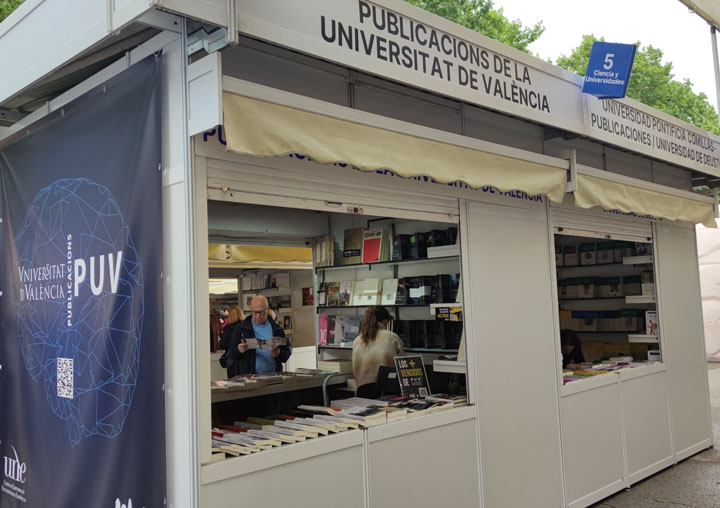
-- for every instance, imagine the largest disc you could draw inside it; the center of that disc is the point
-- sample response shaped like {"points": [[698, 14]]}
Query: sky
{"points": [[683, 37]]}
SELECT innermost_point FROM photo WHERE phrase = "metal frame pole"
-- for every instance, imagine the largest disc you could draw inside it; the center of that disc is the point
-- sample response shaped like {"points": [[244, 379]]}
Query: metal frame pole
{"points": [[716, 65]]}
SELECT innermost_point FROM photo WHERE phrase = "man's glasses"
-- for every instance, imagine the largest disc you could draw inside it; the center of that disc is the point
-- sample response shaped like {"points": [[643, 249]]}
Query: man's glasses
{"points": [[259, 312]]}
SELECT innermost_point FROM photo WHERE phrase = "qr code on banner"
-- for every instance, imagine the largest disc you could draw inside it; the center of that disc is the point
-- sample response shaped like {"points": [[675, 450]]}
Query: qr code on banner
{"points": [[422, 391], [65, 377]]}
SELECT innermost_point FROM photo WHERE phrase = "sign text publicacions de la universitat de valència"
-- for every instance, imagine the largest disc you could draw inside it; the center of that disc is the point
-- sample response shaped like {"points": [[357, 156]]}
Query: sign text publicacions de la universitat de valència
{"points": [[394, 39]]}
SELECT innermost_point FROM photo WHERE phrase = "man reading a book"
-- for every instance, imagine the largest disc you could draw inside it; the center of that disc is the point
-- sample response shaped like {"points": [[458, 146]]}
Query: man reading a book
{"points": [[259, 345]]}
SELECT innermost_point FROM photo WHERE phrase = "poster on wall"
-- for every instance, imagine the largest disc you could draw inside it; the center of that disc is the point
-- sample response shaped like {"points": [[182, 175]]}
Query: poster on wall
{"points": [[81, 320]]}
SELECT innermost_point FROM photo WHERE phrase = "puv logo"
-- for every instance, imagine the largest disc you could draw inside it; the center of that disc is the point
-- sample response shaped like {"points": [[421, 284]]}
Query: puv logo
{"points": [[14, 469]]}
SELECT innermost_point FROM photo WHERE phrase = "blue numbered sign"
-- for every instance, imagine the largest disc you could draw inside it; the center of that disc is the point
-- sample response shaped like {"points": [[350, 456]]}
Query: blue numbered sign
{"points": [[608, 71]]}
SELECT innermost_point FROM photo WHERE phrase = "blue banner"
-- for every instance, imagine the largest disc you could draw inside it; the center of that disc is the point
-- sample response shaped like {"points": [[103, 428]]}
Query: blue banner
{"points": [[81, 321], [609, 68]]}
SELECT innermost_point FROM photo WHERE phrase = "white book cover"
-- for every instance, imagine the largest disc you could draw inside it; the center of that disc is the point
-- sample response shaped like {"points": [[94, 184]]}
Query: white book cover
{"points": [[389, 291], [282, 280], [358, 290], [372, 289]]}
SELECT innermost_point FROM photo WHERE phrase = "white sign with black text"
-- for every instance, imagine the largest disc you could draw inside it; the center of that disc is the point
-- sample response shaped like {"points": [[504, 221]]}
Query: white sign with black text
{"points": [[629, 127], [409, 45]]}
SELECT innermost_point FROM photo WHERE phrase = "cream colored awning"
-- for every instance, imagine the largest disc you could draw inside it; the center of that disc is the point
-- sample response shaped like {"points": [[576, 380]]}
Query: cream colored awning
{"points": [[259, 127], [639, 199]]}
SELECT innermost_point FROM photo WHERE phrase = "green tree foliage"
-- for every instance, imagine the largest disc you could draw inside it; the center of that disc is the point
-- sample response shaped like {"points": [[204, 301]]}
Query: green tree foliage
{"points": [[7, 6], [652, 83], [481, 16]]}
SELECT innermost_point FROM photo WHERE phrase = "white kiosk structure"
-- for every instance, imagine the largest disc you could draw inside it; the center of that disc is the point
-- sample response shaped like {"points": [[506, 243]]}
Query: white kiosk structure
{"points": [[400, 114]]}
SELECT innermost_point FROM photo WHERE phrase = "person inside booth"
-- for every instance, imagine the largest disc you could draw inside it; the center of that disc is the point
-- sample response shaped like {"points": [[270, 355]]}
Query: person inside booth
{"points": [[235, 317], [374, 347], [258, 329], [571, 348]]}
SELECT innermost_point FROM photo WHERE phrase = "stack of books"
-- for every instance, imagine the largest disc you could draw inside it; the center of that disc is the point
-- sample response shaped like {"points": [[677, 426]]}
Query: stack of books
{"points": [[342, 366], [368, 412]]}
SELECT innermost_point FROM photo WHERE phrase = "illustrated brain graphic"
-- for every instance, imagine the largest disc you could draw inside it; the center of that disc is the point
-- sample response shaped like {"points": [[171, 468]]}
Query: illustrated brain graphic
{"points": [[102, 334]]}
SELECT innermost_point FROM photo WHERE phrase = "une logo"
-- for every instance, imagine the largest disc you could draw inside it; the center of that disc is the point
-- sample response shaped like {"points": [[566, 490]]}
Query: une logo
{"points": [[15, 469]]}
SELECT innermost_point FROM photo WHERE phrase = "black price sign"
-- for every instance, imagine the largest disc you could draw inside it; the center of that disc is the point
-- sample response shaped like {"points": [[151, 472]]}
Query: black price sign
{"points": [[412, 376]]}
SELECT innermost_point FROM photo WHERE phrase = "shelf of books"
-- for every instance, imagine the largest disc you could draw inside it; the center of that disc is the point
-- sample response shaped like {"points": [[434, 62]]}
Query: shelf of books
{"points": [[255, 434], [398, 262], [406, 273], [273, 284], [612, 312], [364, 306]]}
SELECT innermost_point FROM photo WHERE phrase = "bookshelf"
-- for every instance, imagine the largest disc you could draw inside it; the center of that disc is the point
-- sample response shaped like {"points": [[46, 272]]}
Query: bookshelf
{"points": [[593, 297], [416, 271], [400, 262]]}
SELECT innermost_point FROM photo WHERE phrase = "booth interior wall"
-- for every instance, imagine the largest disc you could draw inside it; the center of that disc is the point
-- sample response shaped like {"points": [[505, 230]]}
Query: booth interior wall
{"points": [[681, 329], [510, 289]]}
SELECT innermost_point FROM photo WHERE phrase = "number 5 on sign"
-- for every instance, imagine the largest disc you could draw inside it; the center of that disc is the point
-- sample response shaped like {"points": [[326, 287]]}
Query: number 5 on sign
{"points": [[608, 61], [608, 72]]}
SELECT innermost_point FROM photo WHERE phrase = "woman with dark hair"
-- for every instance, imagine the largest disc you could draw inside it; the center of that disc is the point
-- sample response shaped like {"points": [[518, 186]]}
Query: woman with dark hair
{"points": [[375, 346], [571, 348]]}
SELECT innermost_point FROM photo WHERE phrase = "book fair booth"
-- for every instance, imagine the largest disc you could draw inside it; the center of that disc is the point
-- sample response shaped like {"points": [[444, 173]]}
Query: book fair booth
{"points": [[535, 248]]}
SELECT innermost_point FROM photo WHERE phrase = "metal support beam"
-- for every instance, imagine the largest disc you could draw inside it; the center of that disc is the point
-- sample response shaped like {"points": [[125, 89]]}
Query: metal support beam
{"points": [[9, 115], [161, 20], [233, 37], [716, 66], [572, 184], [210, 42]]}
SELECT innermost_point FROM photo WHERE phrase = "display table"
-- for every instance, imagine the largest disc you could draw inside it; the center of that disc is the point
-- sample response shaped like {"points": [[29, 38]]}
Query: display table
{"points": [[299, 384], [357, 465]]}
